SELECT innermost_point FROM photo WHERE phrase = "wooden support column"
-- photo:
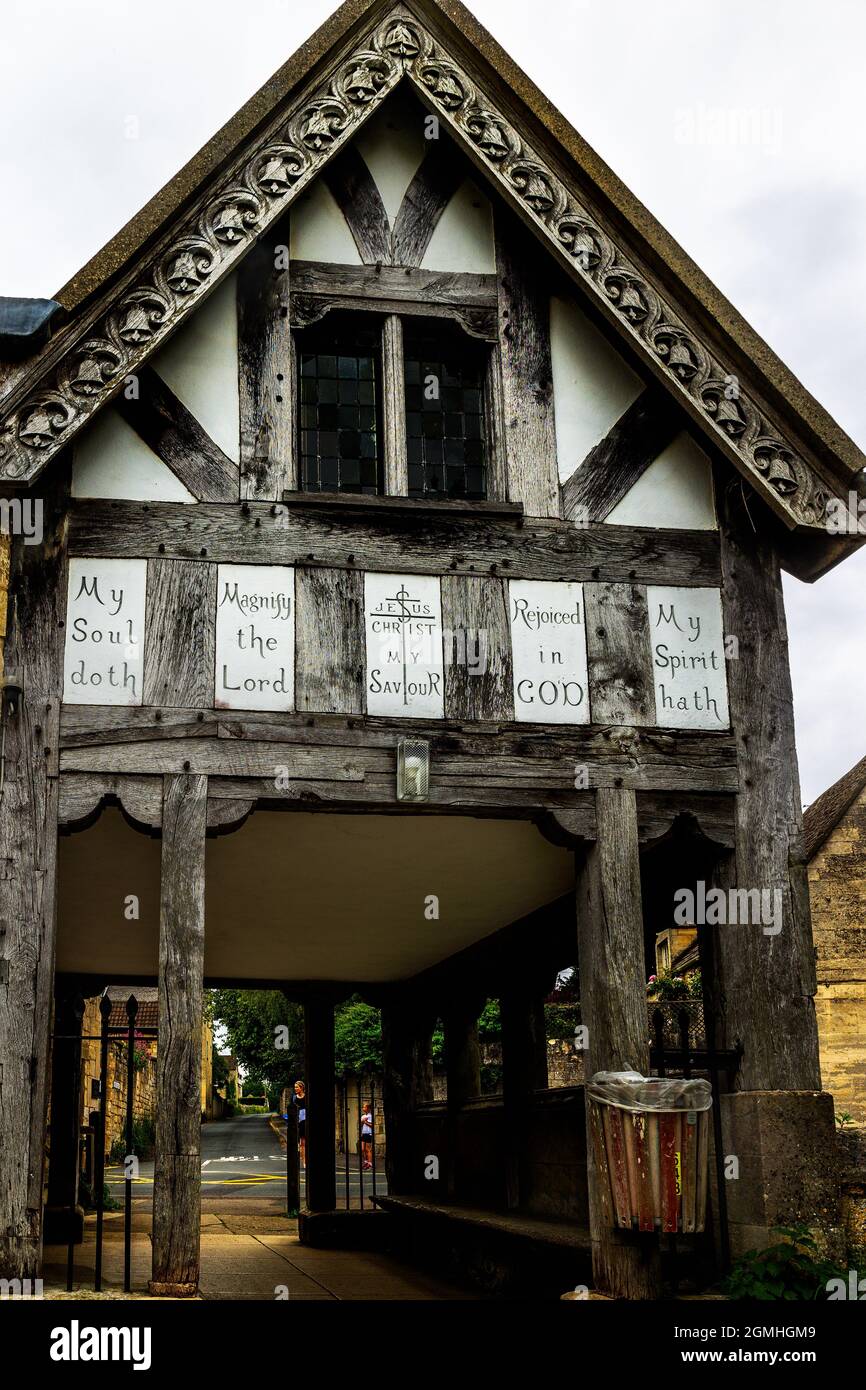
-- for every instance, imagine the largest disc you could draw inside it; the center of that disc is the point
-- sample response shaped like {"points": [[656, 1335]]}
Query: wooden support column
{"points": [[527, 373], [321, 1129], [764, 982], [177, 1165], [63, 1215], [524, 1070], [28, 881], [394, 408], [463, 1071], [407, 1083], [613, 1006]]}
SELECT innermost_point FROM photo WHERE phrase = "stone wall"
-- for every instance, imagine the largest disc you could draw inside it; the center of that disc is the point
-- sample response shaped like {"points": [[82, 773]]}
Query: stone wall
{"points": [[144, 1103], [837, 888]]}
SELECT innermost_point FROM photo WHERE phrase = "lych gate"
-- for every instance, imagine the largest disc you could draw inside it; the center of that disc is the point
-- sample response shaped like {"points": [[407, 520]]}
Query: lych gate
{"points": [[414, 517]]}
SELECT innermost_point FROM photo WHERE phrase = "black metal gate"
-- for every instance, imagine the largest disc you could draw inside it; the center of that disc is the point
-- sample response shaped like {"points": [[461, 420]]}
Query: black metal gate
{"points": [[357, 1147], [88, 1145]]}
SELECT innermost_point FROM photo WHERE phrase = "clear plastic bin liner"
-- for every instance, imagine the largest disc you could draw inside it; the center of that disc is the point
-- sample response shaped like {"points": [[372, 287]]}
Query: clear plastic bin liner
{"points": [[650, 1138], [628, 1090]]}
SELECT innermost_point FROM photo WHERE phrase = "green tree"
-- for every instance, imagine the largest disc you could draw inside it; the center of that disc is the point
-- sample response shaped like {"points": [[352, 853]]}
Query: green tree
{"points": [[265, 1032], [357, 1036]]}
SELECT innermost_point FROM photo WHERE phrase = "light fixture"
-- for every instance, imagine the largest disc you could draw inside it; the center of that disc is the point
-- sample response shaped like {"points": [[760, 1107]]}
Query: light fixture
{"points": [[413, 769]]}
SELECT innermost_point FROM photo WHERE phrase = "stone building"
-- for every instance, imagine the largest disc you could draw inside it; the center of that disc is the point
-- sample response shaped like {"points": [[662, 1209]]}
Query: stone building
{"points": [[408, 623], [834, 829]]}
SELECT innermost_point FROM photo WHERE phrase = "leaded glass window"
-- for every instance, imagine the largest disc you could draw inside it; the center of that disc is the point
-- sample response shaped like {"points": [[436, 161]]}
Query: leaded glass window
{"points": [[445, 426], [338, 368]]}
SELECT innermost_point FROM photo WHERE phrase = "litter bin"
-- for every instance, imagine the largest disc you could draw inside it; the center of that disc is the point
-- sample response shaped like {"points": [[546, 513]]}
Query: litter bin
{"points": [[650, 1138]]}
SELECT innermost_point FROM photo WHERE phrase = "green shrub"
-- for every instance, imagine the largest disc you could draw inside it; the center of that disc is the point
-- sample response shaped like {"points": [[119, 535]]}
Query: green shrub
{"points": [[790, 1270], [143, 1140]]}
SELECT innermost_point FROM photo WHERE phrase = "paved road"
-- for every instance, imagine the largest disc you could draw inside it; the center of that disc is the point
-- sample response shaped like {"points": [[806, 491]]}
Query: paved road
{"points": [[243, 1157]]}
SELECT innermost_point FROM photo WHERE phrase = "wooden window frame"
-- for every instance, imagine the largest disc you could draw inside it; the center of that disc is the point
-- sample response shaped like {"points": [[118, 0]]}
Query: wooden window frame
{"points": [[393, 294]]}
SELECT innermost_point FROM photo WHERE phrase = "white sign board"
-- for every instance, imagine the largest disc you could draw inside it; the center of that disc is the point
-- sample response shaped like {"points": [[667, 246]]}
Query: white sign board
{"points": [[403, 624], [255, 637], [548, 650], [688, 656], [104, 632]]}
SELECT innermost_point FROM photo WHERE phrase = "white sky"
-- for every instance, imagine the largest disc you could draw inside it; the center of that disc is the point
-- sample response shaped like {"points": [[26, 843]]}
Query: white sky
{"points": [[740, 123]]}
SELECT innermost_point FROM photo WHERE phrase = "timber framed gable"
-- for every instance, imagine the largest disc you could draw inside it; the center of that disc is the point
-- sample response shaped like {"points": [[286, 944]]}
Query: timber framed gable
{"points": [[87, 363]]}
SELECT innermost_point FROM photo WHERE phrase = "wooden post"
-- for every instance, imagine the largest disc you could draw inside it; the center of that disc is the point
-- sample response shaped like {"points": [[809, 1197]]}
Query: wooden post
{"points": [[28, 882], [524, 1070], [321, 1127], [764, 982], [177, 1166], [463, 1072], [64, 1218], [407, 1083], [394, 408], [613, 1007]]}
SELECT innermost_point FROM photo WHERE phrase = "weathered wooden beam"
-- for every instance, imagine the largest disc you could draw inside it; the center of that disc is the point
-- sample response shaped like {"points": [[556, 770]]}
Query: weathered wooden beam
{"points": [[357, 195], [318, 287], [83, 794], [524, 1069], [613, 466], [527, 372], [690, 763], [180, 633], [407, 1082], [321, 1186], [478, 677], [266, 373], [610, 941], [430, 543], [764, 987], [177, 1163], [28, 882], [175, 436], [394, 408], [329, 640], [462, 1071], [436, 181], [619, 654]]}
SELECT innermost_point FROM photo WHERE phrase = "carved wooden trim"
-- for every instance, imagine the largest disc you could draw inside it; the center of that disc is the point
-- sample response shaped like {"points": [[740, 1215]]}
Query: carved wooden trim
{"points": [[358, 198], [318, 287], [614, 465], [175, 436], [84, 369], [425, 200]]}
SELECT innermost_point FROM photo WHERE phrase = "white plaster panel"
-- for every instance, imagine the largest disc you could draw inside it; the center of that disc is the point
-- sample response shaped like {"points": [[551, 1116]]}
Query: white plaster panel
{"points": [[255, 637], [104, 644], [319, 231], [110, 460], [548, 650], [463, 238], [403, 625], [392, 146], [592, 384], [688, 657], [676, 490], [200, 365]]}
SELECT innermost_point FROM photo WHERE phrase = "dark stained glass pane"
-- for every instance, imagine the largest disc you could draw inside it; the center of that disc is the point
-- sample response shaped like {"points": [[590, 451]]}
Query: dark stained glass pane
{"points": [[338, 439], [446, 442]]}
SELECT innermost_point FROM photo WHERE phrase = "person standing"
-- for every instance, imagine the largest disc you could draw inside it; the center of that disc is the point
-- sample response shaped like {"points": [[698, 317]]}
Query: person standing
{"points": [[367, 1134], [299, 1099]]}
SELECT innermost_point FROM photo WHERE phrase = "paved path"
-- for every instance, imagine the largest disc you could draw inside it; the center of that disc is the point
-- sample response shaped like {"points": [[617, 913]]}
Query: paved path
{"points": [[252, 1258]]}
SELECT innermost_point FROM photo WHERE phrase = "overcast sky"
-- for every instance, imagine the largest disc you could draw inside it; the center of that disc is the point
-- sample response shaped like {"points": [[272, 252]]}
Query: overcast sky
{"points": [[740, 123]]}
